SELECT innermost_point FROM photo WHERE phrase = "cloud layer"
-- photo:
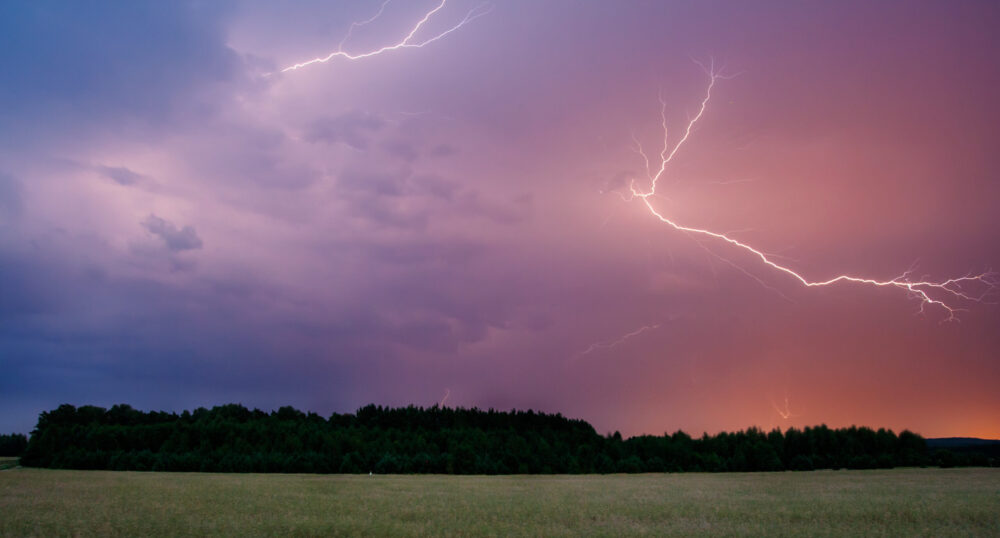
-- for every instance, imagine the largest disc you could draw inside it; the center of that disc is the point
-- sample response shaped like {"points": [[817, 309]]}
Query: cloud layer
{"points": [[182, 226]]}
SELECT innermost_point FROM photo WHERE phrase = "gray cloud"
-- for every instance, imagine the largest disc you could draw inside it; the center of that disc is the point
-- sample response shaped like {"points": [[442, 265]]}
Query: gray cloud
{"points": [[437, 186], [154, 63], [401, 198], [443, 150], [120, 174], [374, 183], [401, 149], [176, 239], [10, 195], [247, 154], [516, 210], [353, 128]]}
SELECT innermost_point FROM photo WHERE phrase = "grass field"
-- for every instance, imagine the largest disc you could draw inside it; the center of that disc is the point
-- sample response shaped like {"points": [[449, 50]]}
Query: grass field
{"points": [[902, 502]]}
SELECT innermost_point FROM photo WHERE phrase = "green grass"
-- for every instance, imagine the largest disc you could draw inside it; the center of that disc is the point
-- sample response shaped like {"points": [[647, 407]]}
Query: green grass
{"points": [[7, 463], [901, 502]]}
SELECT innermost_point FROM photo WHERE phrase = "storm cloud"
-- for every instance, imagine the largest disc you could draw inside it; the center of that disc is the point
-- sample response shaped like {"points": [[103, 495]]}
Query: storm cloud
{"points": [[183, 224], [176, 239]]}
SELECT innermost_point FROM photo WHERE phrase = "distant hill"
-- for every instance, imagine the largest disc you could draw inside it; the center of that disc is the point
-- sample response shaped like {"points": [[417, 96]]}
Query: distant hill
{"points": [[968, 450], [966, 445], [961, 442]]}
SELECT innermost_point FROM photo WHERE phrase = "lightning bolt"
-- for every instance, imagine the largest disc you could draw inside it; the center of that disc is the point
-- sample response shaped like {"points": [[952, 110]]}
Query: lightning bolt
{"points": [[408, 42], [937, 293], [447, 392], [785, 413], [359, 24], [612, 343]]}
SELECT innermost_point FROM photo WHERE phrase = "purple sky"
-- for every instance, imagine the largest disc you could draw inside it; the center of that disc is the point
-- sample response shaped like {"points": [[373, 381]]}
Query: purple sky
{"points": [[182, 225]]}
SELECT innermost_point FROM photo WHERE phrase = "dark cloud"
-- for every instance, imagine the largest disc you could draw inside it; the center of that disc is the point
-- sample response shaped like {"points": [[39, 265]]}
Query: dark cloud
{"points": [[443, 150], [401, 198], [244, 156], [391, 212], [433, 185], [379, 183], [22, 285], [401, 149], [518, 209], [11, 197], [72, 68], [70, 334], [353, 128], [421, 251], [175, 239], [120, 174], [465, 246]]}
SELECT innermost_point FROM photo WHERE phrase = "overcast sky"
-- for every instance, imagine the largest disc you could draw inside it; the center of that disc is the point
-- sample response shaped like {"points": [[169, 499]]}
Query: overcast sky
{"points": [[184, 225]]}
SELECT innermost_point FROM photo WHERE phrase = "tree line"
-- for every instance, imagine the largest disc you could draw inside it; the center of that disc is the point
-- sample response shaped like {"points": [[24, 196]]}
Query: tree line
{"points": [[13, 444], [232, 438]]}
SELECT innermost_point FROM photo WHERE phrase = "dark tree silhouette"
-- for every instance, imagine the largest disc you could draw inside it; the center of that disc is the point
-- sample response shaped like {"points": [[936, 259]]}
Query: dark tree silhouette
{"points": [[232, 438], [13, 444]]}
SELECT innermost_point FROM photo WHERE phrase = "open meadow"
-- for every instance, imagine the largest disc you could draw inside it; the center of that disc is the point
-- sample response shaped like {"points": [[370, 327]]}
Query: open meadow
{"points": [[910, 502]]}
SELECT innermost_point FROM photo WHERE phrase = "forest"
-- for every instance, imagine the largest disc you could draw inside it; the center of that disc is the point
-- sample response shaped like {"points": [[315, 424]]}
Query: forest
{"points": [[13, 444], [232, 438]]}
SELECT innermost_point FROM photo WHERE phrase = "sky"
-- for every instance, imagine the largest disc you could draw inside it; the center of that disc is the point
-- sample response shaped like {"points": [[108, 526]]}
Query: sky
{"points": [[184, 224]]}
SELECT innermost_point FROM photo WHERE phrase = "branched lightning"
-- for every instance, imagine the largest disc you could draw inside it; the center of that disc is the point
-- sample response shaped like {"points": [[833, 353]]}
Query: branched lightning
{"points": [[612, 343], [359, 24], [409, 41], [786, 412], [940, 293]]}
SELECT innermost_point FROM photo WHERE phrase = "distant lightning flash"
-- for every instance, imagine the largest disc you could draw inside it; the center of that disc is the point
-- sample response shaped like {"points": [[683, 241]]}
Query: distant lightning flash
{"points": [[785, 413], [942, 293], [613, 343], [409, 41]]}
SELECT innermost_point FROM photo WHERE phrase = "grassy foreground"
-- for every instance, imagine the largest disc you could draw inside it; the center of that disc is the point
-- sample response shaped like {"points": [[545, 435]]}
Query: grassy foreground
{"points": [[910, 502]]}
